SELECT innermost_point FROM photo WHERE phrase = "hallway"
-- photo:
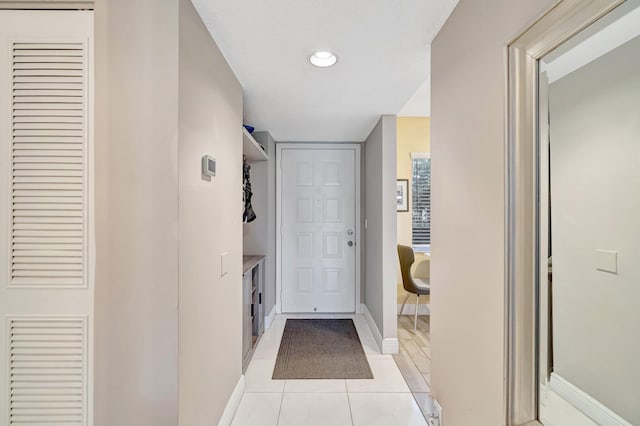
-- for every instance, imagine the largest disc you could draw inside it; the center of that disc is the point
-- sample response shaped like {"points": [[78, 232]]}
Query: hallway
{"points": [[386, 400], [177, 173]]}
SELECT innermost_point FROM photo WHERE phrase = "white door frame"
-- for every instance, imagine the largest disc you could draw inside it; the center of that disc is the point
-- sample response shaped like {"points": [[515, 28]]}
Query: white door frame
{"points": [[358, 219], [522, 264]]}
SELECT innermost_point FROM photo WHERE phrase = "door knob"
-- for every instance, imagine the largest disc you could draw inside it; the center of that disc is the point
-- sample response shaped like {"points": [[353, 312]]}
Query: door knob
{"points": [[350, 243]]}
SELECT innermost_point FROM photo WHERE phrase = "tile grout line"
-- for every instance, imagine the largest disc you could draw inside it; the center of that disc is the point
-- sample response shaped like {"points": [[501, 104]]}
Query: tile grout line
{"points": [[280, 408], [350, 410]]}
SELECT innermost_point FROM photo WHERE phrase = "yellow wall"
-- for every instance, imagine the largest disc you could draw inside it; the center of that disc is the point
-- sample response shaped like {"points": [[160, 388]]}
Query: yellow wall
{"points": [[412, 136]]}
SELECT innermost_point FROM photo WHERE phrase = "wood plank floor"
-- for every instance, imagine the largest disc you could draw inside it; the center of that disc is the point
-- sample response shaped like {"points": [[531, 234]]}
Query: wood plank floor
{"points": [[414, 359]]}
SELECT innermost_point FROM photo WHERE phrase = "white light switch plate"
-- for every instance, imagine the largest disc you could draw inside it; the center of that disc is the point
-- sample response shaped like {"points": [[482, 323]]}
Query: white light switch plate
{"points": [[224, 264], [607, 261]]}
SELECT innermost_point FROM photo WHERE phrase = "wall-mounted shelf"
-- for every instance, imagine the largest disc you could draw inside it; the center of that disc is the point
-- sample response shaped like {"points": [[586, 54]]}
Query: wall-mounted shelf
{"points": [[251, 149]]}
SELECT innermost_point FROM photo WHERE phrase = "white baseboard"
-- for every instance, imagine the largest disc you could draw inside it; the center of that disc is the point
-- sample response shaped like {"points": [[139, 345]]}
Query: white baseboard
{"points": [[233, 403], [386, 346], [390, 346], [557, 411], [372, 326], [411, 309], [268, 319], [584, 402]]}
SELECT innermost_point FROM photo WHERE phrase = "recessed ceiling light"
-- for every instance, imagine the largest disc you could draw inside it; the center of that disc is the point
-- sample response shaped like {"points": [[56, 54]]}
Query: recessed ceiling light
{"points": [[323, 59]]}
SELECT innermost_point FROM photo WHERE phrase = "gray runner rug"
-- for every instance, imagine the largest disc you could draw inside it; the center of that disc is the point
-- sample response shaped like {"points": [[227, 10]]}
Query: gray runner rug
{"points": [[321, 349]]}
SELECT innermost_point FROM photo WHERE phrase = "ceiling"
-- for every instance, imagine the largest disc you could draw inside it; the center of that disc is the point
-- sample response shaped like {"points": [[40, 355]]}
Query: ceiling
{"points": [[383, 60], [418, 105]]}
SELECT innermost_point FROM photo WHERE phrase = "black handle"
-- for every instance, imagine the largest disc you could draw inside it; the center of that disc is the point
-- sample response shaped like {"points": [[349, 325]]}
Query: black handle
{"points": [[252, 309], [260, 298]]}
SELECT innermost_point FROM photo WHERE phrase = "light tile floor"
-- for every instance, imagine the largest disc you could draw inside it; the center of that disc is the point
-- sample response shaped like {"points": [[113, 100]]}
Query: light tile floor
{"points": [[384, 400], [414, 359]]}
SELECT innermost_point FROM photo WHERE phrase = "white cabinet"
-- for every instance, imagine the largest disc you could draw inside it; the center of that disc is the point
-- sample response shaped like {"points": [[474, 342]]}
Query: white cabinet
{"points": [[252, 305]]}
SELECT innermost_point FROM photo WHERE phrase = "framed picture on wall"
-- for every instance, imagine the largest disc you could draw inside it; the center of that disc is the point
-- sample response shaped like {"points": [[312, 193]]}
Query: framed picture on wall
{"points": [[402, 195]]}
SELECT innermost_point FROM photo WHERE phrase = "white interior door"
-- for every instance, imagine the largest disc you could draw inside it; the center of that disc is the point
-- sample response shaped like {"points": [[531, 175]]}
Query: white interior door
{"points": [[318, 198], [46, 292]]}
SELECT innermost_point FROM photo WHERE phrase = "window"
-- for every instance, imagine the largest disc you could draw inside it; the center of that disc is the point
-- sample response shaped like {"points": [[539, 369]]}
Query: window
{"points": [[421, 206]]}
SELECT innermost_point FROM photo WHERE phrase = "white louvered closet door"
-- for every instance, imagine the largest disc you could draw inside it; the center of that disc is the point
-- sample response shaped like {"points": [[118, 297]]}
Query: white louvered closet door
{"points": [[46, 287]]}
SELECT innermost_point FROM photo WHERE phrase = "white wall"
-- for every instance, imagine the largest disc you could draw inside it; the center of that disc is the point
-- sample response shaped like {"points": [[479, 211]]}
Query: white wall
{"points": [[136, 150], [595, 183], [210, 225], [468, 79], [380, 234], [259, 236]]}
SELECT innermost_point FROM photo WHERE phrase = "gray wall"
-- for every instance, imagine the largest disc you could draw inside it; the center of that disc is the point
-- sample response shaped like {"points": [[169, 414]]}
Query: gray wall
{"points": [[259, 236], [595, 200], [210, 224], [380, 234], [468, 80], [136, 192], [164, 97]]}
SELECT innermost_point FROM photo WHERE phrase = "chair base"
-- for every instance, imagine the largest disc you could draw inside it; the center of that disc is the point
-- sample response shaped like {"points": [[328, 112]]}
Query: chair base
{"points": [[415, 320]]}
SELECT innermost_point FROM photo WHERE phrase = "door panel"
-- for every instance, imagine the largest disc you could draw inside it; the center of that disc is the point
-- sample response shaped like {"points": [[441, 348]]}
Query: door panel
{"points": [[46, 293], [318, 217]]}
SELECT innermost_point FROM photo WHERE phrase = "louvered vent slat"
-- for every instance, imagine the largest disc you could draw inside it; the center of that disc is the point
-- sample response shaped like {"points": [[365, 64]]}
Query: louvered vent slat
{"points": [[23, 49], [49, 66], [46, 86], [45, 46], [38, 74], [48, 156], [47, 371], [30, 104], [55, 80]]}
